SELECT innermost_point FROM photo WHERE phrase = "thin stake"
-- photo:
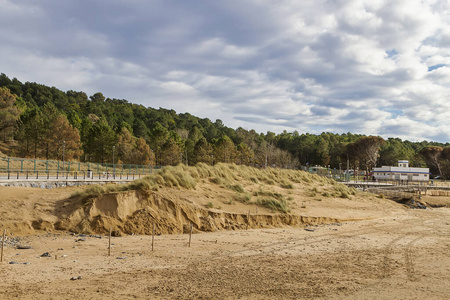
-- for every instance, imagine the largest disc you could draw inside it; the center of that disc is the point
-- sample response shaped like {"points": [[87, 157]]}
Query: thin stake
{"points": [[3, 243], [248, 219], [153, 235], [109, 245], [190, 234]]}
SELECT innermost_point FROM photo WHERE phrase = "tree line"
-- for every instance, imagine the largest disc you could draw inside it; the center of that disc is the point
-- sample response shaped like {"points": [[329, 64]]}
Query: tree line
{"points": [[38, 121]]}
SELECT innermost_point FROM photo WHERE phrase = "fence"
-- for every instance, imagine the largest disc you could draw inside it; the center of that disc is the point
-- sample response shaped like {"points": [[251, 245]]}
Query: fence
{"points": [[22, 168], [411, 190]]}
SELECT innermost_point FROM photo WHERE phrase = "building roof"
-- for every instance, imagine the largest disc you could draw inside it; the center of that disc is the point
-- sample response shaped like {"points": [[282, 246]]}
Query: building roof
{"points": [[401, 170]]}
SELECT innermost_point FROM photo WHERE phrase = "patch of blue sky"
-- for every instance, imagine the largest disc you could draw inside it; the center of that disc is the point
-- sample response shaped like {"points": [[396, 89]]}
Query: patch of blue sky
{"points": [[431, 68], [395, 112], [391, 53]]}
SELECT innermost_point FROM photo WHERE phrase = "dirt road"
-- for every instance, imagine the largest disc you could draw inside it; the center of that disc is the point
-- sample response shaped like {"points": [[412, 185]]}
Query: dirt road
{"points": [[406, 256]]}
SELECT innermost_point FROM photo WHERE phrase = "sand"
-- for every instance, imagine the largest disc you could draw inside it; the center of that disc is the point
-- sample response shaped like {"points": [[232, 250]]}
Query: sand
{"points": [[391, 252]]}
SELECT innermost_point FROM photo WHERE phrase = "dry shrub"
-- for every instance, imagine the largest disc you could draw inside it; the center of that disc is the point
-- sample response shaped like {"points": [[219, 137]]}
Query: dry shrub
{"points": [[185, 179], [286, 184], [216, 180], [326, 194], [223, 170], [274, 205], [243, 197], [147, 184], [254, 179], [203, 170], [236, 187], [274, 195]]}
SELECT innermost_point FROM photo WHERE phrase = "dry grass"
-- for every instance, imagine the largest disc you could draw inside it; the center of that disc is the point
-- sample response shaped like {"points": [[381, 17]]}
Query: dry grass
{"points": [[268, 187]]}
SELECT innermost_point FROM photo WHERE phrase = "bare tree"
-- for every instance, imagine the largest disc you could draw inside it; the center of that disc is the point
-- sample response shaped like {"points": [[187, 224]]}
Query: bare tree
{"points": [[365, 151], [432, 155]]}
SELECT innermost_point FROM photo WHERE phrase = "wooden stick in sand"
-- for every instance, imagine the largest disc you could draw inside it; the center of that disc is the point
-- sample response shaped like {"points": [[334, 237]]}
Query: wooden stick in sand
{"points": [[190, 234], [3, 243], [153, 235], [248, 219], [109, 244]]}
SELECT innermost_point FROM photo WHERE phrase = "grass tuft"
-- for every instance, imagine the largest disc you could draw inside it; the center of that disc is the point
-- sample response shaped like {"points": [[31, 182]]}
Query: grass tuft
{"points": [[274, 205]]}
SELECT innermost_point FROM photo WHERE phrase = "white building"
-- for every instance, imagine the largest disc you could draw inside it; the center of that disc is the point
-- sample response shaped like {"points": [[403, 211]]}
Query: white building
{"points": [[402, 172]]}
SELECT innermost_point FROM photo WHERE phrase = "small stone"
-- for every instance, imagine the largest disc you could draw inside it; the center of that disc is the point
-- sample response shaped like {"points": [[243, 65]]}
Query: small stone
{"points": [[46, 254], [24, 247]]}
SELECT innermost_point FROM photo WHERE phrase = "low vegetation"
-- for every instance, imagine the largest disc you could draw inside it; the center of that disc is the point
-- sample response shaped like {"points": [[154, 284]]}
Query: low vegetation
{"points": [[271, 188]]}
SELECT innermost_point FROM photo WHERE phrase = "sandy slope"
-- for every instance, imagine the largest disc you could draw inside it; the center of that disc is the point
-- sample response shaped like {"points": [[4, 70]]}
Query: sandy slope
{"points": [[404, 256], [319, 250], [208, 206]]}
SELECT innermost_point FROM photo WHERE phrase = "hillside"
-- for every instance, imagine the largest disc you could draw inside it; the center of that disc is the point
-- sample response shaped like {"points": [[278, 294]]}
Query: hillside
{"points": [[104, 130], [215, 198]]}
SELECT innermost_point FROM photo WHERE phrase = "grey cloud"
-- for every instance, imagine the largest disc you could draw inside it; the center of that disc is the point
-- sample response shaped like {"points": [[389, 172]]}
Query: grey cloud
{"points": [[314, 66]]}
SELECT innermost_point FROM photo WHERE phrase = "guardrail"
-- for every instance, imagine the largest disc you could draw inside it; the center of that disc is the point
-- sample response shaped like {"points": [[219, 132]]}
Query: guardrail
{"points": [[12, 164], [55, 175]]}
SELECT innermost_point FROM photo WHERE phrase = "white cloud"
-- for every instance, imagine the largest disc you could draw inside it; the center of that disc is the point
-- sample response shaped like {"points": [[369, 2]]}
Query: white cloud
{"points": [[371, 67]]}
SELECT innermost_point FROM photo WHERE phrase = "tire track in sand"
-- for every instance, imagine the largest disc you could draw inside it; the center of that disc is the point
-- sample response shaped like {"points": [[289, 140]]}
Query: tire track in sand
{"points": [[408, 255]]}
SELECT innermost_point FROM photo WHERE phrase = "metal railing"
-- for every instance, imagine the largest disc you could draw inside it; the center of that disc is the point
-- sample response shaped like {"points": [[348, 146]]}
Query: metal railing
{"points": [[24, 164], [35, 169], [30, 175]]}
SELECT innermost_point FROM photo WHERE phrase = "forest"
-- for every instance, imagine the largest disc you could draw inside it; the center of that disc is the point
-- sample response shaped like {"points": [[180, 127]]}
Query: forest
{"points": [[37, 121]]}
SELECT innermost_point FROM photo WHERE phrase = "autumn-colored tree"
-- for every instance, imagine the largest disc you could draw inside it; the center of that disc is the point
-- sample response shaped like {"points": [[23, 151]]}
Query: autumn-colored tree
{"points": [[224, 150], [142, 153], [47, 133], [9, 113], [203, 152], [245, 155], [170, 153], [63, 141], [125, 145], [131, 150]]}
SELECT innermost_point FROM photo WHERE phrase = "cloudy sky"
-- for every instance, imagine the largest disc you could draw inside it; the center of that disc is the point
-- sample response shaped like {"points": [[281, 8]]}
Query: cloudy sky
{"points": [[361, 66]]}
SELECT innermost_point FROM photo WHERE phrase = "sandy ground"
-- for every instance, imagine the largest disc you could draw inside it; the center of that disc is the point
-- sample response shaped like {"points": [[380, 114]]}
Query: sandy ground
{"points": [[403, 256]]}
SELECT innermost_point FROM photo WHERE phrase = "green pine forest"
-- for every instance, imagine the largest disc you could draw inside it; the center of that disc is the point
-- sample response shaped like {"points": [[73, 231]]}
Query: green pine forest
{"points": [[37, 121]]}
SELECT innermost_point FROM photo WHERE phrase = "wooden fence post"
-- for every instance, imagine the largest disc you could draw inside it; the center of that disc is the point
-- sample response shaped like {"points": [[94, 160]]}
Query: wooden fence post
{"points": [[153, 235], [3, 244], [109, 243], [248, 219], [190, 234]]}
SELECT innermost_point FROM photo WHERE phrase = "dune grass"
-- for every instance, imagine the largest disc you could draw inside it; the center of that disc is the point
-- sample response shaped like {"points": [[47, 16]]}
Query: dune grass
{"points": [[248, 183]]}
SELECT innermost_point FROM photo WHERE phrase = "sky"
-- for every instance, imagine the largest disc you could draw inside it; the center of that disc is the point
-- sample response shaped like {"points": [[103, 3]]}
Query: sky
{"points": [[367, 67]]}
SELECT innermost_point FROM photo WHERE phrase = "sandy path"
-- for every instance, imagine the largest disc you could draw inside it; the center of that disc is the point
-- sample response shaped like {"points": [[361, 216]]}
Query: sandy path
{"points": [[400, 257]]}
